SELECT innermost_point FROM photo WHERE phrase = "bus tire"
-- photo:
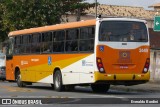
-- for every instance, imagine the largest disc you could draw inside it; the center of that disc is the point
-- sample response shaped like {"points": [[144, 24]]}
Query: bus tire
{"points": [[28, 83], [20, 83], [58, 85], [100, 88], [3, 79], [11, 81], [52, 85]]}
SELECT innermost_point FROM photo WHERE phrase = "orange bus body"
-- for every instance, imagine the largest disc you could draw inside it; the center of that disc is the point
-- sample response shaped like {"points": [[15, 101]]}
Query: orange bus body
{"points": [[14, 63], [124, 63]]}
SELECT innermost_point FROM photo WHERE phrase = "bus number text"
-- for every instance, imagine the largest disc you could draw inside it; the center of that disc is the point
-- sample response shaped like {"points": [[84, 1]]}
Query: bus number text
{"points": [[143, 50]]}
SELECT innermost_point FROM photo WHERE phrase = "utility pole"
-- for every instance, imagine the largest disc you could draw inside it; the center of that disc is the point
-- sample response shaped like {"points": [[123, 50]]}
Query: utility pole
{"points": [[95, 8]]}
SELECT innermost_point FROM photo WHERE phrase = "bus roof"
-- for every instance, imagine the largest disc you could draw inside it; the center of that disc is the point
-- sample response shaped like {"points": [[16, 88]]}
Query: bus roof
{"points": [[54, 27]]}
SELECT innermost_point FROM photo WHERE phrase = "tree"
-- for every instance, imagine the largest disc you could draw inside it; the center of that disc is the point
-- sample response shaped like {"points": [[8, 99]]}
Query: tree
{"points": [[2, 32], [23, 14], [78, 7]]}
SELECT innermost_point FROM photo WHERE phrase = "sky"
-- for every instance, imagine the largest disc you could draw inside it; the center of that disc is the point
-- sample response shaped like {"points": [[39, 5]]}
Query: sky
{"points": [[138, 3]]}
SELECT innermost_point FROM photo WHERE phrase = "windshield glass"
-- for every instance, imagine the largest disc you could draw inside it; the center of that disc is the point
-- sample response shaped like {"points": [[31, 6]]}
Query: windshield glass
{"points": [[123, 31]]}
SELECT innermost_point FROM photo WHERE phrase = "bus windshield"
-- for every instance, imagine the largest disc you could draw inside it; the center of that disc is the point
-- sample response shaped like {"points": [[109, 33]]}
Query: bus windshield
{"points": [[123, 31]]}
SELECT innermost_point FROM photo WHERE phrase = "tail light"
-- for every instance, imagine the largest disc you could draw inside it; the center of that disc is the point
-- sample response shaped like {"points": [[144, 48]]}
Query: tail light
{"points": [[146, 66], [100, 65]]}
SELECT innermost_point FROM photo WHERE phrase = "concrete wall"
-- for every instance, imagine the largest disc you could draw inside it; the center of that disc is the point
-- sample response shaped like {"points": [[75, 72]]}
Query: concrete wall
{"points": [[150, 23], [155, 65]]}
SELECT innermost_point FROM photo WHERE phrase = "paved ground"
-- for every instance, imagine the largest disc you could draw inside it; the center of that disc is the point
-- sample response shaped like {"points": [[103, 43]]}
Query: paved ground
{"points": [[38, 89], [116, 94], [151, 87]]}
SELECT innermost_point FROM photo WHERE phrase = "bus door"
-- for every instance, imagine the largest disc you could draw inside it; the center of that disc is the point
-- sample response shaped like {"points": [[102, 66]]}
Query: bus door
{"points": [[9, 60]]}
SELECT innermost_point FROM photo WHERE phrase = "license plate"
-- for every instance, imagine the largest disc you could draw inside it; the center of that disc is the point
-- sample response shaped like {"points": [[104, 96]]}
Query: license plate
{"points": [[123, 67]]}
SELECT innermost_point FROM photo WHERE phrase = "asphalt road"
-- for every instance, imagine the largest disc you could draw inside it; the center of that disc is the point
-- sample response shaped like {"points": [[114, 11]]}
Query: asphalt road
{"points": [[80, 95]]}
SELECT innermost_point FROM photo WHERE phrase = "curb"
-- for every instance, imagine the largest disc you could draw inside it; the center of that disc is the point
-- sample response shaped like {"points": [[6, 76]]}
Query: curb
{"points": [[151, 87], [154, 82]]}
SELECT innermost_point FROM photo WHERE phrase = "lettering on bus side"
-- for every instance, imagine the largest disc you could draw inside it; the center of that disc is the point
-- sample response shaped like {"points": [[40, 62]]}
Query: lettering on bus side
{"points": [[34, 60], [24, 62], [86, 63]]}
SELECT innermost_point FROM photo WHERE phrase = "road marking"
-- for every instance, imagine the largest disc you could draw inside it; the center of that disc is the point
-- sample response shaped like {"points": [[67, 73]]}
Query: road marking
{"points": [[16, 89], [106, 96]]}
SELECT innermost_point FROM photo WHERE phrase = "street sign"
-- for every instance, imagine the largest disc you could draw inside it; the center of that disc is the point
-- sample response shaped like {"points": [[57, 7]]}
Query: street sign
{"points": [[157, 23]]}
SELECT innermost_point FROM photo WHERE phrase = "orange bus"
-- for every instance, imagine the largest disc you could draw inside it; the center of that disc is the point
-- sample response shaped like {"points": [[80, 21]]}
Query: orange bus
{"points": [[96, 52]]}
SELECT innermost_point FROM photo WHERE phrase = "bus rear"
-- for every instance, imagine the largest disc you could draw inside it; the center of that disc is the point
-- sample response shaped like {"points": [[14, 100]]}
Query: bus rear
{"points": [[122, 52]]}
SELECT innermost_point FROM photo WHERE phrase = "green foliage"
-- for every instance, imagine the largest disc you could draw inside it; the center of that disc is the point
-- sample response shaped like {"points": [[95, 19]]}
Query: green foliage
{"points": [[23, 14], [78, 7]]}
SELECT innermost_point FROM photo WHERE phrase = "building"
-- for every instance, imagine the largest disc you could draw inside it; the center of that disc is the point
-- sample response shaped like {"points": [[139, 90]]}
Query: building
{"points": [[156, 7]]}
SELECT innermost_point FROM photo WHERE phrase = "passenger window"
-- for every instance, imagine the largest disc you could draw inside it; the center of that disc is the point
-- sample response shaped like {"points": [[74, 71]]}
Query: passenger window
{"points": [[87, 33], [35, 46], [72, 34], [58, 46], [46, 37], [17, 40], [17, 49], [46, 42], [86, 42], [25, 39], [72, 46], [58, 41], [86, 45], [59, 36], [72, 40]]}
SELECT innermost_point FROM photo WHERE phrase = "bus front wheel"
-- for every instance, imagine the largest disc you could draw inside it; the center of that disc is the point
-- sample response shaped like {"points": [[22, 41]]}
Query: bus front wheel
{"points": [[20, 83], [100, 88], [58, 85]]}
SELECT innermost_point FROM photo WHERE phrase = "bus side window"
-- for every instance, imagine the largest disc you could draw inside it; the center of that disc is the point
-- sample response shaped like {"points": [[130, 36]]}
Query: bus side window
{"points": [[71, 46], [91, 45], [58, 41], [91, 32], [86, 42], [72, 40], [35, 46], [17, 45], [46, 45]]}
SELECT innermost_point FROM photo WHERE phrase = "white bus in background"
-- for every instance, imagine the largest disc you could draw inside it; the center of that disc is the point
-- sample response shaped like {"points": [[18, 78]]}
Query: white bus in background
{"points": [[2, 66]]}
